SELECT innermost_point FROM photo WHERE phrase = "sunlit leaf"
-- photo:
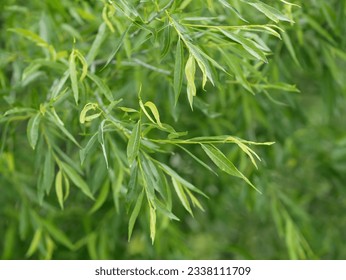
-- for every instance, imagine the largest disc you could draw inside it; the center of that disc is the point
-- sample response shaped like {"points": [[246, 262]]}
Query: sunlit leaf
{"points": [[190, 70], [33, 129], [222, 162]]}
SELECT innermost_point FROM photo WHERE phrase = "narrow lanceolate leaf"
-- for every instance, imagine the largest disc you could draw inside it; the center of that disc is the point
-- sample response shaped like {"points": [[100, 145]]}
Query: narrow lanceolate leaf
{"points": [[88, 148], [104, 89], [96, 46], [76, 179], [53, 117], [34, 243], [227, 5], [32, 129], [190, 70], [178, 70], [84, 63], [73, 76], [247, 44], [58, 189], [48, 171], [58, 234], [101, 198], [270, 12], [118, 46], [102, 141], [134, 214], [134, 143], [178, 178], [152, 223], [222, 162], [154, 111], [181, 194]]}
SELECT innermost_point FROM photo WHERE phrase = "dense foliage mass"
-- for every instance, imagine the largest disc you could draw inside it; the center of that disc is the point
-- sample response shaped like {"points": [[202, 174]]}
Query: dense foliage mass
{"points": [[146, 129]]}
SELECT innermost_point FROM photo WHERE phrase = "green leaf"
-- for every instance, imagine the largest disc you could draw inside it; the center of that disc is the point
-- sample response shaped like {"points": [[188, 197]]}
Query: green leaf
{"points": [[88, 148], [89, 106], [194, 200], [190, 70], [96, 46], [166, 41], [102, 141], [148, 178], [101, 198], [197, 159], [84, 64], [76, 179], [178, 70], [153, 110], [286, 39], [134, 214], [178, 178], [48, 171], [33, 129], [181, 194], [58, 84], [222, 162], [247, 44], [59, 189], [35, 242], [152, 223], [227, 5], [73, 75], [269, 11], [53, 117], [57, 234], [102, 86], [117, 46], [134, 143]]}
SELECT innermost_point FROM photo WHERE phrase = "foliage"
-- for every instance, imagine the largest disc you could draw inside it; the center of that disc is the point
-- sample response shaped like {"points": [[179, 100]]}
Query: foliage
{"points": [[123, 124]]}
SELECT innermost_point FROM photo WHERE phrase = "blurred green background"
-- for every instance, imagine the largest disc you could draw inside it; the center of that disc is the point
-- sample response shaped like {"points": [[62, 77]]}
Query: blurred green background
{"points": [[301, 213]]}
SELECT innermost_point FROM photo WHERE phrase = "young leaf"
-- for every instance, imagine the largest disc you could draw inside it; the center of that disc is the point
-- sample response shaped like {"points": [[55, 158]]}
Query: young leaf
{"points": [[222, 162], [89, 106], [84, 64], [154, 111], [73, 75], [134, 143], [178, 70], [32, 129], [134, 214], [190, 70]]}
